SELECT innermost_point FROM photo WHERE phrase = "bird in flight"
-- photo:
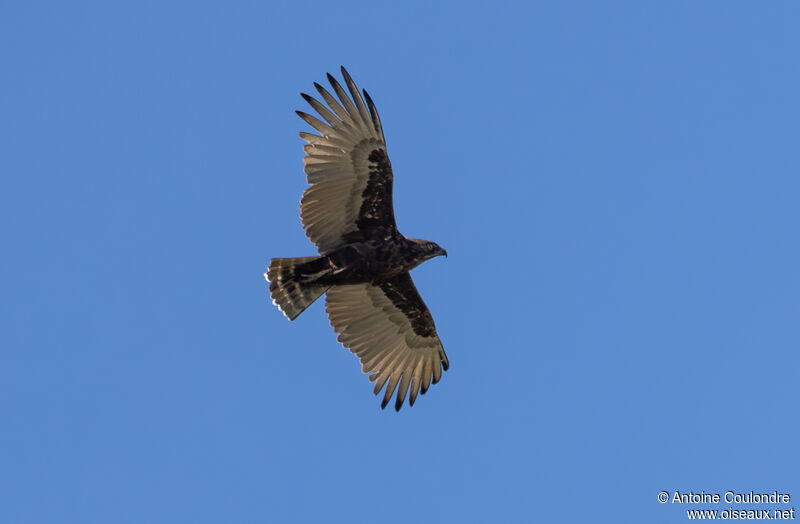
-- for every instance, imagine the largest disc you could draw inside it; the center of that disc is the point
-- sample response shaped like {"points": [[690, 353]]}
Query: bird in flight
{"points": [[364, 261]]}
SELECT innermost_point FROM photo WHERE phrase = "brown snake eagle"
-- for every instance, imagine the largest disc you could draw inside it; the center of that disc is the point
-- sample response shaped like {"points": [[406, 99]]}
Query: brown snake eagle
{"points": [[363, 260]]}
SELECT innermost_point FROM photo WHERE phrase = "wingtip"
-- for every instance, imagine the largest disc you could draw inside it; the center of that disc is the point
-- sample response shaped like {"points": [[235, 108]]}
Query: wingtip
{"points": [[384, 403], [347, 78]]}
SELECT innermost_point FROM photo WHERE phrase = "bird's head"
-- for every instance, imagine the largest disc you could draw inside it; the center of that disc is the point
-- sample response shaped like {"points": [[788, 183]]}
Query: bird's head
{"points": [[428, 249]]}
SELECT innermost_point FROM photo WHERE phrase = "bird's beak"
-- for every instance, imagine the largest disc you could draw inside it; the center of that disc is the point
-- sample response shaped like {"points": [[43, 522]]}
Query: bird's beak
{"points": [[443, 252]]}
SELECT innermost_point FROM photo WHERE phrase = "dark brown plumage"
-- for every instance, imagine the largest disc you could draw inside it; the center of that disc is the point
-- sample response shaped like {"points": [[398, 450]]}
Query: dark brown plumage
{"points": [[364, 261]]}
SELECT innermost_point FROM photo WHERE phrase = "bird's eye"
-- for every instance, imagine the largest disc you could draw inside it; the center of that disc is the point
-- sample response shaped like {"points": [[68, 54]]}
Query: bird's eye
{"points": [[430, 246]]}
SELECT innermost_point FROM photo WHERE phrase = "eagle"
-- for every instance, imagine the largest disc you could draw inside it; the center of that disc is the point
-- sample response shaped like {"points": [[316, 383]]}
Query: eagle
{"points": [[364, 262]]}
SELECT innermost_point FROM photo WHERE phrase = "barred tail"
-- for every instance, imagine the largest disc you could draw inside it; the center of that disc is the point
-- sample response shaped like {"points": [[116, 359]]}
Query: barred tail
{"points": [[286, 278]]}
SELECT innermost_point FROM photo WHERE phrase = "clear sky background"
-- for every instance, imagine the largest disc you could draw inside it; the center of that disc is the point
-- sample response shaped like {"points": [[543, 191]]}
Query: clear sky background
{"points": [[616, 184]]}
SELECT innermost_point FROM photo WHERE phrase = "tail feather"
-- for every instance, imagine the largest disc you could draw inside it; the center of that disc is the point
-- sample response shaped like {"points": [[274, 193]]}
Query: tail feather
{"points": [[289, 293]]}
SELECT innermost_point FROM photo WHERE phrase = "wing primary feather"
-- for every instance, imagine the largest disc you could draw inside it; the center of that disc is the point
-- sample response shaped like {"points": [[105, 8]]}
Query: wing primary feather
{"points": [[443, 357], [316, 123], [389, 365], [385, 402], [426, 375], [437, 372], [402, 387], [390, 387], [381, 376], [415, 381], [332, 103], [373, 111], [412, 396], [386, 360], [362, 109], [346, 102], [321, 109]]}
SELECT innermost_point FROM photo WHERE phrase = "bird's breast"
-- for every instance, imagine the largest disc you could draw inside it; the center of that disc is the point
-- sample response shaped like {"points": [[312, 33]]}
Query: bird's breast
{"points": [[370, 261]]}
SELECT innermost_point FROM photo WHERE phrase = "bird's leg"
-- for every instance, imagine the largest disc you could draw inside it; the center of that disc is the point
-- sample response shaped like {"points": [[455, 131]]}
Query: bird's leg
{"points": [[336, 270], [313, 271], [339, 271]]}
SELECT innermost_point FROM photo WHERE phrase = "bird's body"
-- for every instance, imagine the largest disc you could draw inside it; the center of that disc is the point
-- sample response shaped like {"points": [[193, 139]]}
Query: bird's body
{"points": [[370, 261], [363, 260]]}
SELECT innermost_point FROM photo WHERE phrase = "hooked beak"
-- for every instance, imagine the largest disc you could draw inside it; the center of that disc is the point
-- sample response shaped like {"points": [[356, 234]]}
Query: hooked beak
{"points": [[443, 252]]}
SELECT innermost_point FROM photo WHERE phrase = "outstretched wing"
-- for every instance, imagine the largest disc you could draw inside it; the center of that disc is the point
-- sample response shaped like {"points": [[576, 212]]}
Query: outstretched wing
{"points": [[391, 330], [350, 176]]}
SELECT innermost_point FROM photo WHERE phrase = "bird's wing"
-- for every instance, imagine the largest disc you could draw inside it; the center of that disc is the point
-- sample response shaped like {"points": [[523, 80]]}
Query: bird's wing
{"points": [[391, 330], [348, 170]]}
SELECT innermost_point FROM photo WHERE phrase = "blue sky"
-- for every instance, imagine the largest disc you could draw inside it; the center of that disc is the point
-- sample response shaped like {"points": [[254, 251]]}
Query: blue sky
{"points": [[616, 184]]}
